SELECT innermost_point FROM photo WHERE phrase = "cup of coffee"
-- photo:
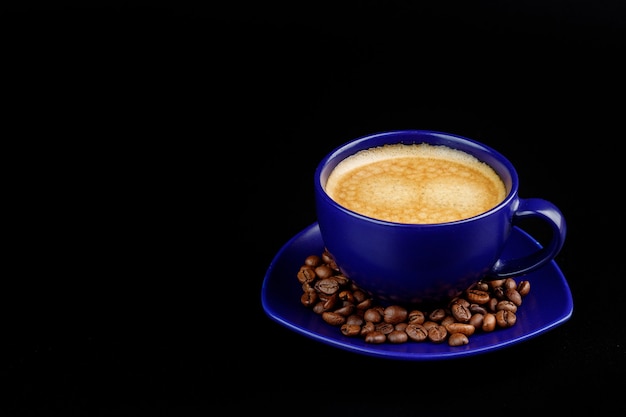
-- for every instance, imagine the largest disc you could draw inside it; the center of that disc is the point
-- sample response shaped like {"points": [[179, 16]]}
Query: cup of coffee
{"points": [[415, 216]]}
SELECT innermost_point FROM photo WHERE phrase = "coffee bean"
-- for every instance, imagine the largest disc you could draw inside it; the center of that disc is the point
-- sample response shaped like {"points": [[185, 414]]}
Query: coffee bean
{"points": [[327, 286], [523, 288], [483, 307], [395, 314], [333, 318], [477, 296], [375, 337], [477, 309], [306, 274], [461, 311], [505, 318], [329, 303], [477, 320], [464, 328], [368, 327], [437, 314], [318, 308], [397, 336], [514, 296], [416, 332], [506, 305], [360, 296], [309, 297], [437, 333], [447, 320], [489, 322], [350, 329], [458, 339], [416, 317], [509, 283], [355, 319], [346, 309], [365, 304], [313, 261], [401, 325], [428, 324], [384, 328], [373, 314]]}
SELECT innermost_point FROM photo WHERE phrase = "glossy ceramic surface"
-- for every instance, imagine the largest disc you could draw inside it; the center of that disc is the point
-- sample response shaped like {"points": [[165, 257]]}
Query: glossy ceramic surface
{"points": [[548, 305], [420, 262]]}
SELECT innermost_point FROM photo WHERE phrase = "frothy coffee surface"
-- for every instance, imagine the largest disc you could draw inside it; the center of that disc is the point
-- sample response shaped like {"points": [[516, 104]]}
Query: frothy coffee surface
{"points": [[419, 183]]}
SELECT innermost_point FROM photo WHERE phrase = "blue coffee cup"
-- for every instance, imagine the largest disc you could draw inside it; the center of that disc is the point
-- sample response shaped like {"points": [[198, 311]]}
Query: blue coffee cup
{"points": [[410, 263]]}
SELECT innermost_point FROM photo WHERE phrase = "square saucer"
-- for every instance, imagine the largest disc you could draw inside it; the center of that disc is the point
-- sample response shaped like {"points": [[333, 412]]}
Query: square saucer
{"points": [[548, 305]]}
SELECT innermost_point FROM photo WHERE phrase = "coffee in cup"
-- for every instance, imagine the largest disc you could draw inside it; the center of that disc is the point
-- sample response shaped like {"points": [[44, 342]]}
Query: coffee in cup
{"points": [[415, 183], [414, 216]]}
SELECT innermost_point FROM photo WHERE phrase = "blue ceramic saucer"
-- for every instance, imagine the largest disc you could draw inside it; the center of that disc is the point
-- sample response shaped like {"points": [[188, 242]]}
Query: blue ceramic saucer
{"points": [[548, 305]]}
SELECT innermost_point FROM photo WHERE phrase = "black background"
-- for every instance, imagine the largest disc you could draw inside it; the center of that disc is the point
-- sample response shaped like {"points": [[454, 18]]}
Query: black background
{"points": [[159, 155]]}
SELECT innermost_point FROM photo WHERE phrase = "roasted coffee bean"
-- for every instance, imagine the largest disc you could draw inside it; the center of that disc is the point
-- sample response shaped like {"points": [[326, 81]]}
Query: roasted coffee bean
{"points": [[509, 283], [360, 296], [496, 283], [374, 314], [476, 320], [437, 333], [375, 337], [365, 304], [342, 280], [318, 308], [438, 314], [466, 329], [514, 296], [384, 328], [350, 329], [523, 288], [499, 293], [367, 328], [477, 296], [416, 332], [355, 319], [460, 300], [346, 295], [416, 317], [477, 309], [395, 314], [401, 326], [346, 309], [313, 261], [327, 286], [484, 306], [397, 336], [461, 311], [306, 274], [333, 318], [307, 286], [428, 324], [328, 259], [489, 322], [458, 339], [506, 305], [330, 302], [309, 298], [447, 320], [505, 318]]}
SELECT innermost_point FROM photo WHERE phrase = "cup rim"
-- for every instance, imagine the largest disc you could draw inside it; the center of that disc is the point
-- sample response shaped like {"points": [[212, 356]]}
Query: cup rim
{"points": [[352, 146]]}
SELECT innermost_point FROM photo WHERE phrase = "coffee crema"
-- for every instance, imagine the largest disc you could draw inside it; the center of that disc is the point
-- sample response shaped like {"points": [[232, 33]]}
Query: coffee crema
{"points": [[416, 183]]}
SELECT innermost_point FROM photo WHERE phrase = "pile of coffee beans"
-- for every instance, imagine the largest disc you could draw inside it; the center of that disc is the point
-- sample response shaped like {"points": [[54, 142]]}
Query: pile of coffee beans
{"points": [[484, 306]]}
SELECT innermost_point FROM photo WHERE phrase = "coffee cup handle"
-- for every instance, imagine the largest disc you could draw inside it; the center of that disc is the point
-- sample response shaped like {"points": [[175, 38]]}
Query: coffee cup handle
{"points": [[551, 215]]}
